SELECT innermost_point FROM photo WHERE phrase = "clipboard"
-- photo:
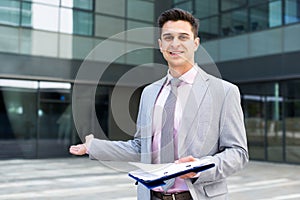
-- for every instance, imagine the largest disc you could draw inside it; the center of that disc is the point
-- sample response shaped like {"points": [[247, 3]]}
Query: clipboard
{"points": [[154, 175]]}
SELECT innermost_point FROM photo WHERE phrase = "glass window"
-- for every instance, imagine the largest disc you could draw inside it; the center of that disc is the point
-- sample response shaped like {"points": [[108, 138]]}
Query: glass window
{"points": [[206, 8], [292, 11], [292, 120], [187, 5], [111, 7], [9, 12], [262, 105], [253, 2], [141, 10], [235, 22], [265, 16], [209, 28], [231, 4], [104, 26], [26, 14], [40, 15], [49, 2], [82, 4], [275, 13], [18, 127], [66, 20], [83, 23]]}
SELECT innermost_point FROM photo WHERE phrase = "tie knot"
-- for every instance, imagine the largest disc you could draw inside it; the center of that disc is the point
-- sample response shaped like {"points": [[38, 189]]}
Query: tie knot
{"points": [[175, 82]]}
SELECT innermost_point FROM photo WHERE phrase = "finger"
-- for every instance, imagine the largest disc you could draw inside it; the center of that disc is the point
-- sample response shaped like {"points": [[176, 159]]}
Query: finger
{"points": [[186, 159]]}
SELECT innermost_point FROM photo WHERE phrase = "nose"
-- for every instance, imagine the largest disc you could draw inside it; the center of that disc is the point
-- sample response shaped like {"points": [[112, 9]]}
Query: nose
{"points": [[175, 42]]}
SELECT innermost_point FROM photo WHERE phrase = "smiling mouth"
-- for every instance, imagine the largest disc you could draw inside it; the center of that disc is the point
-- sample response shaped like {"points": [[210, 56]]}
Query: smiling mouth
{"points": [[175, 53]]}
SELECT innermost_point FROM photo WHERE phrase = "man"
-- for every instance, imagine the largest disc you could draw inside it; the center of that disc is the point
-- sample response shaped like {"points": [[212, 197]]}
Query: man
{"points": [[207, 120]]}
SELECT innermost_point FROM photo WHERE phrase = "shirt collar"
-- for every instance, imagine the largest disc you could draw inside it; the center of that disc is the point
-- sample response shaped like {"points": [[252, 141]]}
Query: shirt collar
{"points": [[187, 78]]}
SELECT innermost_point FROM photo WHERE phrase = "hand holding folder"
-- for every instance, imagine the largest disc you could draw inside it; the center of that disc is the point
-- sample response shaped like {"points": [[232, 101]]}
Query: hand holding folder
{"points": [[154, 175]]}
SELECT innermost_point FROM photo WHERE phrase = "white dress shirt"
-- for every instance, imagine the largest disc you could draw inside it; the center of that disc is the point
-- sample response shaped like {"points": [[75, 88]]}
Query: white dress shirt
{"points": [[182, 95]]}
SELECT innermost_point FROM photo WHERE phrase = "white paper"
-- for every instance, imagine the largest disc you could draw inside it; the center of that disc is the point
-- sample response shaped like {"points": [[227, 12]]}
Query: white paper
{"points": [[155, 171]]}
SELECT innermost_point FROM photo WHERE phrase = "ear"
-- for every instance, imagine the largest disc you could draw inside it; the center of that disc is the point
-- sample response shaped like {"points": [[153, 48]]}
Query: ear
{"points": [[196, 43], [159, 43]]}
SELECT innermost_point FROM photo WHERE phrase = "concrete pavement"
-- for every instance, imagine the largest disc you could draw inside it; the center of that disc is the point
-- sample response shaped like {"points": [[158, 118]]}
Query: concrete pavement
{"points": [[80, 178]]}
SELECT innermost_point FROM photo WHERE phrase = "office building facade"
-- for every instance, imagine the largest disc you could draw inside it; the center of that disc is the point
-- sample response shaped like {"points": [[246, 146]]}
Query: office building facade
{"points": [[43, 44]]}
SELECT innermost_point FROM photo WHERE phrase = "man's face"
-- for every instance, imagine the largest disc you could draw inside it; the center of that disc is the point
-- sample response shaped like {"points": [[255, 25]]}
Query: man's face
{"points": [[178, 44]]}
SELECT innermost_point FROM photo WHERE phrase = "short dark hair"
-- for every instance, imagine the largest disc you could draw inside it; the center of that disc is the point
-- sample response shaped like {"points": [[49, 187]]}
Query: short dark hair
{"points": [[176, 14]]}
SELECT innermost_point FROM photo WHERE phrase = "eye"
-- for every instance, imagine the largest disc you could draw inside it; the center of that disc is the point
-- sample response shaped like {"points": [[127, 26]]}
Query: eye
{"points": [[183, 37], [168, 38]]}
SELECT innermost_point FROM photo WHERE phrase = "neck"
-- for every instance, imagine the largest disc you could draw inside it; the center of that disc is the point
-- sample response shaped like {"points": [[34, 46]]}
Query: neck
{"points": [[177, 71]]}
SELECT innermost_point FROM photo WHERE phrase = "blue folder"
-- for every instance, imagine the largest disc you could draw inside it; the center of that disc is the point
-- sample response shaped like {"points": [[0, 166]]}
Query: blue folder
{"points": [[156, 181]]}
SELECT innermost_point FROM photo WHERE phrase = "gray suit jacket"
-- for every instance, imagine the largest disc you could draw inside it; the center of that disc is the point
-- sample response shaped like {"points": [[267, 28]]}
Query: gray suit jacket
{"points": [[212, 127]]}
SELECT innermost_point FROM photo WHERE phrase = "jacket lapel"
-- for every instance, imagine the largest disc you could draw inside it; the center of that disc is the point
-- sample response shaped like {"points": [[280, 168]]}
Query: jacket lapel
{"points": [[190, 112]]}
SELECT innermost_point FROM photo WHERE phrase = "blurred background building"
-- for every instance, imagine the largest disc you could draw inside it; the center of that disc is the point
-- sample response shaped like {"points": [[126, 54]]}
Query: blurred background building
{"points": [[255, 44]]}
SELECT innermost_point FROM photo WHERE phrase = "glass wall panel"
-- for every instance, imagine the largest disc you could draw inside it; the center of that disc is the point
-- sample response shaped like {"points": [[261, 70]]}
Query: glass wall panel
{"points": [[26, 13], [206, 8], [238, 48], [235, 22], [209, 28], [141, 10], [262, 105], [136, 37], [292, 121], [265, 42], [274, 125], [49, 2], [292, 11], [253, 2], [82, 4], [187, 5], [18, 132], [111, 7], [55, 122], [9, 12], [266, 16], [83, 22], [66, 20], [9, 39], [40, 15], [104, 28], [232, 4], [254, 107]]}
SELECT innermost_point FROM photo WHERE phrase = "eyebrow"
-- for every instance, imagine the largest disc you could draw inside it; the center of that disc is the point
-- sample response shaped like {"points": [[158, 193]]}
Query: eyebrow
{"points": [[168, 34]]}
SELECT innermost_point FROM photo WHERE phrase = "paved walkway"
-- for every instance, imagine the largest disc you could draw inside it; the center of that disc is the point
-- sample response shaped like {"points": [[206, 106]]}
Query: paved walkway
{"points": [[81, 178]]}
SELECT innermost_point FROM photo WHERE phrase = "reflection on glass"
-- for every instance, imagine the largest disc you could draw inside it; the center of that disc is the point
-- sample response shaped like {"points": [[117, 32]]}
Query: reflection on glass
{"points": [[292, 11], [187, 5], [66, 20], [9, 12], [265, 16], [292, 121], [26, 14], [83, 4], [209, 28], [17, 122], [255, 125], [229, 4], [275, 13], [141, 10], [235, 22], [82, 23], [205, 8], [49, 2], [45, 17]]}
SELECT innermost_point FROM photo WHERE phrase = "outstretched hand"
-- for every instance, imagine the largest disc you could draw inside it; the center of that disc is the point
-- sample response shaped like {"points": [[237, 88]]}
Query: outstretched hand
{"points": [[187, 159], [78, 150], [82, 149]]}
